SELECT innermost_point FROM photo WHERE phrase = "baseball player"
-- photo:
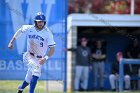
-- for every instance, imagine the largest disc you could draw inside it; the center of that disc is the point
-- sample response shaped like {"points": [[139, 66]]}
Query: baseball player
{"points": [[39, 38], [114, 76]]}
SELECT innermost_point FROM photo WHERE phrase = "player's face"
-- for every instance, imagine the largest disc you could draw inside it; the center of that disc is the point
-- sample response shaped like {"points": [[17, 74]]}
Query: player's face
{"points": [[40, 24], [84, 43]]}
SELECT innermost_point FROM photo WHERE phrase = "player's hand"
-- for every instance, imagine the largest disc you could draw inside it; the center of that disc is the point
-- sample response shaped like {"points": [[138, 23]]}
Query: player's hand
{"points": [[10, 46], [42, 61]]}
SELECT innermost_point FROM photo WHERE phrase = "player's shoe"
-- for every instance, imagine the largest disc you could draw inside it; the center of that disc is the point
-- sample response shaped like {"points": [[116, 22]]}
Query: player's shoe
{"points": [[20, 90]]}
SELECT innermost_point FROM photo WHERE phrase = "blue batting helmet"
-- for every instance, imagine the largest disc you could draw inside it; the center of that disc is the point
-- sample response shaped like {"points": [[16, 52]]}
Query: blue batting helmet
{"points": [[40, 17]]}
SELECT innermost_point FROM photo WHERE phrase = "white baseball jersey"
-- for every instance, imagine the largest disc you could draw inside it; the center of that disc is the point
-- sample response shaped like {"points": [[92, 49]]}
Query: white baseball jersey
{"points": [[37, 40]]}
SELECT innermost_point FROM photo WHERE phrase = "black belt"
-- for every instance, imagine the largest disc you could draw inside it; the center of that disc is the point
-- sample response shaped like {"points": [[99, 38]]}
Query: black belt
{"points": [[36, 55]]}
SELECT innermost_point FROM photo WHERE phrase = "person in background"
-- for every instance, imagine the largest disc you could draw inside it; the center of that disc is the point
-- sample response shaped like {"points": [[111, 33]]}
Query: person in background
{"points": [[83, 55], [98, 59], [133, 52], [114, 77]]}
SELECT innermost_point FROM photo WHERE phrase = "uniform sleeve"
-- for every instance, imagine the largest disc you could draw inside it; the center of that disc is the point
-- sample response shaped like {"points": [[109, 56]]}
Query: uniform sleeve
{"points": [[24, 28], [20, 31], [50, 40]]}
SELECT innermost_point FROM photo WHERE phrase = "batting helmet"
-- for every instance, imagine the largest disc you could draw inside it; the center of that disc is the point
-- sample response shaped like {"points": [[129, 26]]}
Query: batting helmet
{"points": [[40, 17]]}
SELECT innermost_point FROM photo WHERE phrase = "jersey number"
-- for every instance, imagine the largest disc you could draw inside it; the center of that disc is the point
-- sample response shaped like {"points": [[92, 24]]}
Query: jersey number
{"points": [[41, 44]]}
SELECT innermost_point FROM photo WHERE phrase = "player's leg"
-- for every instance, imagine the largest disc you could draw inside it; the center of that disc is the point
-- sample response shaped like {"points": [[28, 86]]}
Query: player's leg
{"points": [[33, 83], [85, 77], [127, 82], [26, 58], [95, 73], [36, 73], [25, 82], [112, 80], [78, 72], [21, 88], [101, 75]]}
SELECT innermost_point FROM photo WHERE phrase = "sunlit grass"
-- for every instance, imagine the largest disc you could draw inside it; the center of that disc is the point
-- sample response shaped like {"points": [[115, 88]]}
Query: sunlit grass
{"points": [[7, 86]]}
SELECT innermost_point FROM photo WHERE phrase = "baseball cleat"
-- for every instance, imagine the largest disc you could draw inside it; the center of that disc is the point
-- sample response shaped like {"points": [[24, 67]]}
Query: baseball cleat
{"points": [[20, 90]]}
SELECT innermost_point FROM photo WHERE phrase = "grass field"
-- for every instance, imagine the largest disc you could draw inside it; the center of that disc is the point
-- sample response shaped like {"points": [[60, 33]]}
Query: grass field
{"points": [[11, 87]]}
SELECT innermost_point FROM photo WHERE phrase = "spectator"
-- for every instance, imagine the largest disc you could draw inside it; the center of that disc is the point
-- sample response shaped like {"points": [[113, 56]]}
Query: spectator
{"points": [[102, 6], [114, 77], [82, 65], [98, 56], [133, 52], [137, 6], [97, 6]]}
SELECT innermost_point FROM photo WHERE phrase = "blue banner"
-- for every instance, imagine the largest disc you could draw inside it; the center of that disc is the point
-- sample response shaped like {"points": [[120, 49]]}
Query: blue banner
{"points": [[14, 14]]}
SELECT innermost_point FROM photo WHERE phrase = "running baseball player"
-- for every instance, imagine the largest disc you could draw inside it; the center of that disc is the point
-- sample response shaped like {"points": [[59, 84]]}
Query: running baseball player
{"points": [[39, 38]]}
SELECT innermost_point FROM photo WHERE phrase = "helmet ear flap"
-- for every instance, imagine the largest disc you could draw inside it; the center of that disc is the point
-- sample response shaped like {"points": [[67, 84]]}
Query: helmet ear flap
{"points": [[44, 23], [35, 23]]}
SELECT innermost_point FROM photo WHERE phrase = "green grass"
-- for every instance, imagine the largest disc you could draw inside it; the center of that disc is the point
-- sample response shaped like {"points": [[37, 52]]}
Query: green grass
{"points": [[7, 86], [11, 87]]}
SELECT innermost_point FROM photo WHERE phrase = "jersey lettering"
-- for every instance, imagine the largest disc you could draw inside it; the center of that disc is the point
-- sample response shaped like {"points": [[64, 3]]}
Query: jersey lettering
{"points": [[36, 37]]}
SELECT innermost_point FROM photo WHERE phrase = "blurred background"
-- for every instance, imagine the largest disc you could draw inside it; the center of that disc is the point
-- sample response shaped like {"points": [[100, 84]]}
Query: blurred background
{"points": [[103, 6], [117, 24]]}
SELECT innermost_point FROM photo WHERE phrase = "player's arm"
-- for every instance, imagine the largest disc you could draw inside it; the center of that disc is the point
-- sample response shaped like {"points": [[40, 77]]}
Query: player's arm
{"points": [[51, 45], [20, 31], [95, 56], [10, 45], [17, 34], [103, 56], [50, 53]]}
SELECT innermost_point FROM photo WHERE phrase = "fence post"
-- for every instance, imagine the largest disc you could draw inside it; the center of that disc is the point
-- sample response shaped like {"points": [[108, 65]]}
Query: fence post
{"points": [[121, 75]]}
